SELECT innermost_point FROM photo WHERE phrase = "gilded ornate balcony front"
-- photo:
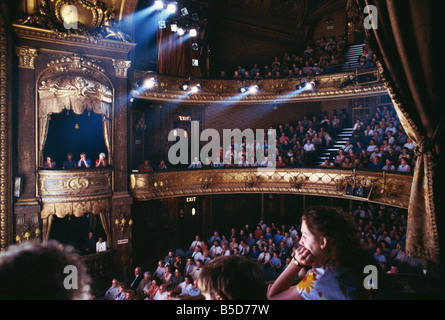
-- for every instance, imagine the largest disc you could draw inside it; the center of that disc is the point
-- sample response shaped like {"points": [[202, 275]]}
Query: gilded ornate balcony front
{"points": [[319, 182], [74, 191]]}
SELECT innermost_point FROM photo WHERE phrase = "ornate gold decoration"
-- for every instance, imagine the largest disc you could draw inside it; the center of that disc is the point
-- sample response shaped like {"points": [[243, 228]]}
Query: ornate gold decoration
{"points": [[320, 182], [75, 184], [87, 18], [251, 180], [121, 67], [29, 231], [389, 188], [206, 182], [27, 57], [297, 182], [218, 91], [78, 184], [160, 185], [123, 222], [5, 137]]}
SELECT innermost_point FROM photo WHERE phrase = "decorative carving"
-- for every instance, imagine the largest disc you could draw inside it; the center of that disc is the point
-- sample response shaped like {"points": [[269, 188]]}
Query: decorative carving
{"points": [[121, 67], [76, 17], [321, 182], [278, 90], [27, 57], [5, 136], [78, 184], [74, 184]]}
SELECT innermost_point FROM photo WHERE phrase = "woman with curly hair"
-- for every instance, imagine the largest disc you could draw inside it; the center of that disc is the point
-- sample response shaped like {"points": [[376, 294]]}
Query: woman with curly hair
{"points": [[330, 249]]}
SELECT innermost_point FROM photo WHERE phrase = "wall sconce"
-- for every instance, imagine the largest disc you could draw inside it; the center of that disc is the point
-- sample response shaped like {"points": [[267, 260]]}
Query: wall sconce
{"points": [[160, 185], [251, 180], [123, 223], [277, 88], [29, 232], [219, 88], [140, 126], [297, 182], [206, 182]]}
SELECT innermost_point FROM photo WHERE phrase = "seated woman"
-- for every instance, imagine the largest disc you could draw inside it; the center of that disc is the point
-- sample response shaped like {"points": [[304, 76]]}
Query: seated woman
{"points": [[404, 166], [84, 162], [335, 258], [49, 163], [102, 161]]}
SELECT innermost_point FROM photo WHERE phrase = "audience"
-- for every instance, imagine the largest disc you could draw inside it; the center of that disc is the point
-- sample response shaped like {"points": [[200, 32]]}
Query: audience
{"points": [[324, 57], [382, 230]]}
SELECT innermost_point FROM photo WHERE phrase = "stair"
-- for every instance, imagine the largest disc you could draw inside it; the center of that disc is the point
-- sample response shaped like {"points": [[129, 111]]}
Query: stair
{"points": [[352, 58], [331, 151]]}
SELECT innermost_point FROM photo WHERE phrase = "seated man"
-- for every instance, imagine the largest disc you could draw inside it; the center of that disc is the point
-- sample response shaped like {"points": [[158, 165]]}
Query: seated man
{"points": [[101, 245], [84, 162], [69, 163], [195, 164]]}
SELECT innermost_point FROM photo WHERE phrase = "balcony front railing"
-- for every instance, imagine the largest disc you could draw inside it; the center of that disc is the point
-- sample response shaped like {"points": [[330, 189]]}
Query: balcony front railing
{"points": [[378, 187]]}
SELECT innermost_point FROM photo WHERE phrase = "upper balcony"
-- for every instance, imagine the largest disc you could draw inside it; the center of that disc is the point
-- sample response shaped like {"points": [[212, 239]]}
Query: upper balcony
{"points": [[164, 88]]}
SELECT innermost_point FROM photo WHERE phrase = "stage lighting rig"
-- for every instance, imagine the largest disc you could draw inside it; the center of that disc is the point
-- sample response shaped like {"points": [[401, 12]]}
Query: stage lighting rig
{"points": [[159, 4], [172, 7]]}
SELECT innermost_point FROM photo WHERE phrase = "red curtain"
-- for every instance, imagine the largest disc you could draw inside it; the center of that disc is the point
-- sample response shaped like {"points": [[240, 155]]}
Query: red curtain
{"points": [[175, 54], [409, 46]]}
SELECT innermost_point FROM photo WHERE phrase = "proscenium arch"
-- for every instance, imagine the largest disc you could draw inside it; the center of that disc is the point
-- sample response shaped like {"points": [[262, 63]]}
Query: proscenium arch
{"points": [[78, 69]]}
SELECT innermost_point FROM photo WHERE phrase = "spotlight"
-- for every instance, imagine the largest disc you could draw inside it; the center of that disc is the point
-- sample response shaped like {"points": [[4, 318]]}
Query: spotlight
{"points": [[159, 4], [195, 46], [150, 83], [195, 62], [171, 8], [174, 27], [251, 89], [184, 11], [195, 89], [195, 16], [193, 32], [306, 85], [243, 89], [185, 86], [162, 24], [181, 31], [254, 89]]}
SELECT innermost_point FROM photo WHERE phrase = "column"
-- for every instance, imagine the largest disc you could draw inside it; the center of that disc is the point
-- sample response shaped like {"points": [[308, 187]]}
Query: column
{"points": [[121, 201], [27, 207]]}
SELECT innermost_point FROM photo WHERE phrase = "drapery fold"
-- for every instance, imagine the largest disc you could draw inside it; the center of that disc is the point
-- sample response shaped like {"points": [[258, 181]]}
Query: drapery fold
{"points": [[77, 209], [105, 219], [408, 44], [175, 54]]}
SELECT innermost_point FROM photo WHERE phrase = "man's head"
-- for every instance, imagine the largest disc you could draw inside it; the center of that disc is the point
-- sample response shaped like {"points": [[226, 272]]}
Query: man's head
{"points": [[232, 278]]}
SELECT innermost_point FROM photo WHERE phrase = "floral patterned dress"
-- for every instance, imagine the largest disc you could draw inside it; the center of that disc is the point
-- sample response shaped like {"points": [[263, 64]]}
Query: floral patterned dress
{"points": [[327, 283]]}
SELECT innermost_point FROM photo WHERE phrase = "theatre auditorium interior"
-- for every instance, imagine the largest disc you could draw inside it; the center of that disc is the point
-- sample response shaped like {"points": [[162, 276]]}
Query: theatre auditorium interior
{"points": [[131, 128]]}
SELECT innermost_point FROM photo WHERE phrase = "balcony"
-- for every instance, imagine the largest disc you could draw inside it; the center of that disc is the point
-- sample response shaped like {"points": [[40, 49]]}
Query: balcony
{"points": [[376, 187], [328, 86], [74, 192]]}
